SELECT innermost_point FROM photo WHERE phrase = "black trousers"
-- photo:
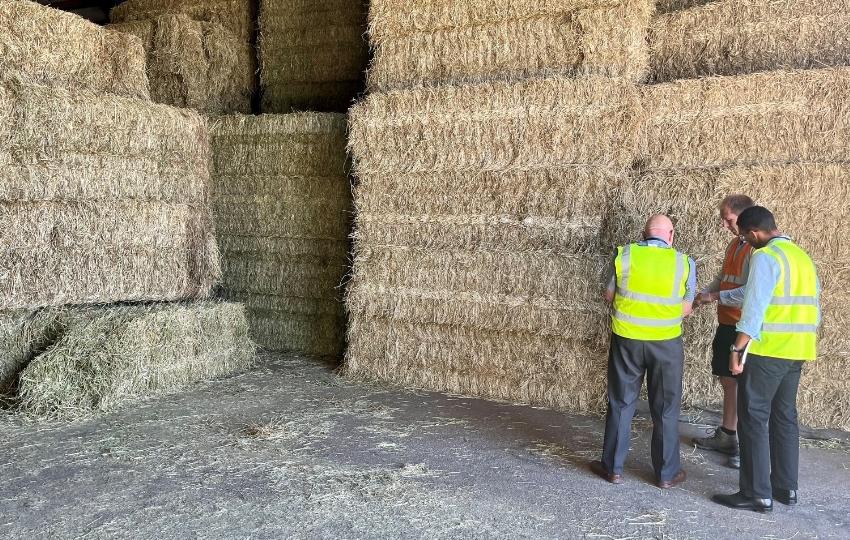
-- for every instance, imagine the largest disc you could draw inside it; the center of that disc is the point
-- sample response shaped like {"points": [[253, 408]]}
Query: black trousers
{"points": [[662, 362], [768, 432]]}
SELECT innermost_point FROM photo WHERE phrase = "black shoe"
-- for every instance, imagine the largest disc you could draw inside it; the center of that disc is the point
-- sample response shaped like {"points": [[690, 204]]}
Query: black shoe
{"points": [[785, 496], [739, 501]]}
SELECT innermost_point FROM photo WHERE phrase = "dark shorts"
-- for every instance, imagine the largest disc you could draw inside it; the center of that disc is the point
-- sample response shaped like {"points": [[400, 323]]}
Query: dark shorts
{"points": [[724, 338]]}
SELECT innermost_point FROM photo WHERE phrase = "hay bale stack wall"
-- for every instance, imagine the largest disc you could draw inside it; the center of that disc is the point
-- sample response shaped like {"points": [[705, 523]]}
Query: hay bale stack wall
{"points": [[198, 65], [313, 54], [782, 137], [479, 236], [440, 41], [96, 359], [41, 45], [282, 203], [743, 36], [102, 199]]}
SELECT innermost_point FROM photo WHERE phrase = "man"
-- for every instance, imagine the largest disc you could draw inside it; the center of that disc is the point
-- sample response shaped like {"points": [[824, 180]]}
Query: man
{"points": [[776, 335], [728, 291], [652, 288]]}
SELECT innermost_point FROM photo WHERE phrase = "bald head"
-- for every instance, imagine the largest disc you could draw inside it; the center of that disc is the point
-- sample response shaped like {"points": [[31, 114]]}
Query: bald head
{"points": [[659, 226]]}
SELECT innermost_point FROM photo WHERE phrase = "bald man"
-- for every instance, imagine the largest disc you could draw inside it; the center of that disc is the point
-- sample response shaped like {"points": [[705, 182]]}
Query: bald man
{"points": [[652, 287]]}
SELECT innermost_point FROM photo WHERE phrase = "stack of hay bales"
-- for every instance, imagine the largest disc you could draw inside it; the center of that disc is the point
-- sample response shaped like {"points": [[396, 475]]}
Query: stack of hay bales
{"points": [[282, 203], [216, 50], [103, 198], [437, 41], [480, 235], [729, 37], [782, 137], [194, 64], [54, 48], [312, 54]]}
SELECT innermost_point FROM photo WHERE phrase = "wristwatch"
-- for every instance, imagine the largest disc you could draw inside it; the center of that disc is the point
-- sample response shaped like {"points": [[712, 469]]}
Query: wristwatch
{"points": [[732, 348]]}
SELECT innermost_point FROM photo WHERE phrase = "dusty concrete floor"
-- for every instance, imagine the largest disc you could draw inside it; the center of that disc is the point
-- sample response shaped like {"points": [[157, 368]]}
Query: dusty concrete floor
{"points": [[291, 450]]}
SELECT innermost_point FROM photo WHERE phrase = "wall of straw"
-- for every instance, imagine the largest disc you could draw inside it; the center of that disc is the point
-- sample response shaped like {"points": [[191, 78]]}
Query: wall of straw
{"points": [[198, 65], [282, 202], [312, 54], [46, 46], [102, 199], [480, 236], [440, 41], [81, 361], [781, 137], [732, 36], [237, 16]]}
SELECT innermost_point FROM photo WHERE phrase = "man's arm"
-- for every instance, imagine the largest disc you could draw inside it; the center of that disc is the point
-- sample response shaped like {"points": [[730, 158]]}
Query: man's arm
{"points": [[611, 279], [761, 281]]}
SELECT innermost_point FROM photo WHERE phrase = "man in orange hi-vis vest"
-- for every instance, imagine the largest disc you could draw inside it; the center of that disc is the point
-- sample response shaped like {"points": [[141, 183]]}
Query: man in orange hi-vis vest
{"points": [[728, 291]]}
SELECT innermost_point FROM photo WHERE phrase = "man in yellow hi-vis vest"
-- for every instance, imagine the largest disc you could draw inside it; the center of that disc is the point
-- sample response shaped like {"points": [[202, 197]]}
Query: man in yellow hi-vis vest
{"points": [[776, 334], [652, 288]]}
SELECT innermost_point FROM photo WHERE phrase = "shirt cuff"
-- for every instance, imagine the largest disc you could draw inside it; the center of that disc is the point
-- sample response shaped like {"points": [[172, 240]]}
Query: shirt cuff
{"points": [[751, 330]]}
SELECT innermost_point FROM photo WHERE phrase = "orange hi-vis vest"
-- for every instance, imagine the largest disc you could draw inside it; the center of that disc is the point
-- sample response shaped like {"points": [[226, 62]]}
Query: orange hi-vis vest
{"points": [[736, 266]]}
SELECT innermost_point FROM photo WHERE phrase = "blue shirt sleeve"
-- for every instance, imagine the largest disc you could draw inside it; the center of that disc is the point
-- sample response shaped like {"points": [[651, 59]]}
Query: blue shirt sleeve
{"points": [[761, 281], [691, 286], [733, 297]]}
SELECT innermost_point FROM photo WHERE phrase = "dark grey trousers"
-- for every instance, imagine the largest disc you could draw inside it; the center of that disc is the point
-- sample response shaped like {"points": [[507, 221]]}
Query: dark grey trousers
{"points": [[768, 433], [662, 362]]}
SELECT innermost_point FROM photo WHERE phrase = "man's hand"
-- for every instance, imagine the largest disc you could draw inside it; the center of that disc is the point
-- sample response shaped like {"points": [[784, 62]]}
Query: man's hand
{"points": [[706, 298], [735, 365]]}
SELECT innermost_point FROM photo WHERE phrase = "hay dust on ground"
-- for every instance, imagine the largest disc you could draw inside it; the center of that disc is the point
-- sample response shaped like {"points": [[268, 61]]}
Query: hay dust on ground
{"points": [[291, 450]]}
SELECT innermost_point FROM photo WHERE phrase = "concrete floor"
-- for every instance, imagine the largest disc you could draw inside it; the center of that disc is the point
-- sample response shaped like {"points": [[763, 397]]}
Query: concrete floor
{"points": [[290, 450]]}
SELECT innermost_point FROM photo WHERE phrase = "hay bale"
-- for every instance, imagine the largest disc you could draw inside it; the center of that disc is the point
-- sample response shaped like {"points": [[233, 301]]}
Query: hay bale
{"points": [[194, 64], [667, 6], [102, 198], [530, 125], [759, 119], [480, 236], [42, 45], [437, 41], [23, 333], [237, 16], [107, 357], [763, 35], [281, 202], [312, 54]]}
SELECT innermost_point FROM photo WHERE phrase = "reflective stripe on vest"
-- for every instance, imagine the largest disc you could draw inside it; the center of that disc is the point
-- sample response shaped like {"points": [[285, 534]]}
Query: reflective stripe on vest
{"points": [[651, 284], [791, 320], [735, 270]]}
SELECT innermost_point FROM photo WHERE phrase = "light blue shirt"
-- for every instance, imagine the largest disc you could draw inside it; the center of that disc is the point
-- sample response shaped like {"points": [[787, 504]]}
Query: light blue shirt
{"points": [[690, 286], [761, 282]]}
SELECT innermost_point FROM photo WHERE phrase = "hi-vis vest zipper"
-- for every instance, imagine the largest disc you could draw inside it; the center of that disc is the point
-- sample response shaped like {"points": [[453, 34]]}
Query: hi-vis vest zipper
{"points": [[790, 324], [651, 283]]}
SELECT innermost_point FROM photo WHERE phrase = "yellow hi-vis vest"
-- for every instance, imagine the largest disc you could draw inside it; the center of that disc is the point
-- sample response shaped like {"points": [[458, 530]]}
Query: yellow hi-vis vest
{"points": [[651, 284], [791, 321]]}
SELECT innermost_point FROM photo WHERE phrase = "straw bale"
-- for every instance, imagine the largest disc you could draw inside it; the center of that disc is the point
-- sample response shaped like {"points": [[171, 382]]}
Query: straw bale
{"points": [[763, 118], [544, 370], [282, 200], [137, 229], [765, 35], [195, 64], [236, 15], [313, 54], [42, 45], [106, 357], [529, 125], [438, 42], [555, 209], [22, 334]]}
